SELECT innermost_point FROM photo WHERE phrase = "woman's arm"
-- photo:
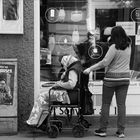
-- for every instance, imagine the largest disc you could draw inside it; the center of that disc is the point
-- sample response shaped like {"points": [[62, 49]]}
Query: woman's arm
{"points": [[103, 63]]}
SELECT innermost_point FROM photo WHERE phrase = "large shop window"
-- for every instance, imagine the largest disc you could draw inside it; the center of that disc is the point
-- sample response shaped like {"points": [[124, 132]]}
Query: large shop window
{"points": [[62, 24], [128, 18]]}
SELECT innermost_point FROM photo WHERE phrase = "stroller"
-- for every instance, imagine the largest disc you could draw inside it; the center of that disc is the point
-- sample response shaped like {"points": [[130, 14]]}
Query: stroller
{"points": [[55, 124]]}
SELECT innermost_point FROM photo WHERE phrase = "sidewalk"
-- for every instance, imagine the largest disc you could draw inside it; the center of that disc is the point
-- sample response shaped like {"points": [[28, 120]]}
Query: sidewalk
{"points": [[131, 134]]}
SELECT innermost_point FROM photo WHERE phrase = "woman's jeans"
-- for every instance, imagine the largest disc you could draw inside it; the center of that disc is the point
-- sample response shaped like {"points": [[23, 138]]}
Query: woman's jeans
{"points": [[120, 90]]}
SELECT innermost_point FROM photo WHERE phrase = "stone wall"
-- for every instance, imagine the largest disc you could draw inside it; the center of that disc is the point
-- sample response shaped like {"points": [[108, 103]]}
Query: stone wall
{"points": [[22, 47]]}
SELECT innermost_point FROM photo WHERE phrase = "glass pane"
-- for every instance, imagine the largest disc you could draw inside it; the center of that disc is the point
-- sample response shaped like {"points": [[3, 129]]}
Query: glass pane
{"points": [[62, 24], [10, 9], [127, 18]]}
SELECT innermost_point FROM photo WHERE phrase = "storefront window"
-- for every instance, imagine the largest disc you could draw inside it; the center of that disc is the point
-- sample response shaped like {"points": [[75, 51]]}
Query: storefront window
{"points": [[62, 25], [128, 18], [66, 23]]}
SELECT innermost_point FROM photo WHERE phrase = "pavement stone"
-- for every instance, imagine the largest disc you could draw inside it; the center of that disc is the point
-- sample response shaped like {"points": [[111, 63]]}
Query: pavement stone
{"points": [[132, 133]]}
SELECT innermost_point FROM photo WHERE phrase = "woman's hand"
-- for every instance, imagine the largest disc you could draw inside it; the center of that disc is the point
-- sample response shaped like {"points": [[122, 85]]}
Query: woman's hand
{"points": [[87, 71]]}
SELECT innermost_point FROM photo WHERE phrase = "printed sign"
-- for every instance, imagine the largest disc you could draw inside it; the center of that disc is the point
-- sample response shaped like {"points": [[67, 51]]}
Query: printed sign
{"points": [[8, 87], [8, 96], [51, 15], [129, 27], [137, 40], [6, 84], [65, 42]]}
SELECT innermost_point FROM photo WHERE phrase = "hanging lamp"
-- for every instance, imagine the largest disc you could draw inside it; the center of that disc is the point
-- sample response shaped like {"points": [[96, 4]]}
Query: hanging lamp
{"points": [[76, 15], [61, 13], [75, 35]]}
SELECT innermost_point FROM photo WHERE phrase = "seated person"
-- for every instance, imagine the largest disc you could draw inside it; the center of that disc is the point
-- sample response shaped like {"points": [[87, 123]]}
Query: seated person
{"points": [[63, 91], [5, 93]]}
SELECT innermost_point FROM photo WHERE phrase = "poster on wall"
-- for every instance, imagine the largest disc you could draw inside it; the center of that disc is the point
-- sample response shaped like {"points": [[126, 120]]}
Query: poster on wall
{"points": [[8, 86], [11, 16]]}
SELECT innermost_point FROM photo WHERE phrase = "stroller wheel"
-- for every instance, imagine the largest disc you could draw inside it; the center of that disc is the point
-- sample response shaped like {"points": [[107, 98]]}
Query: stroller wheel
{"points": [[52, 131], [78, 131], [59, 125], [85, 123]]}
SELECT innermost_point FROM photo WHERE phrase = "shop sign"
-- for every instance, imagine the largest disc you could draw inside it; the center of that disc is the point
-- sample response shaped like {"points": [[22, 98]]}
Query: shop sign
{"points": [[134, 84], [51, 15], [76, 16], [65, 42], [135, 15], [129, 27], [62, 111], [95, 87], [137, 40]]}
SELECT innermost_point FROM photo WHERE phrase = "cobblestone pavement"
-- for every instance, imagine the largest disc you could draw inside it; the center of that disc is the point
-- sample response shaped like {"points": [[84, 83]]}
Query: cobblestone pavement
{"points": [[131, 134]]}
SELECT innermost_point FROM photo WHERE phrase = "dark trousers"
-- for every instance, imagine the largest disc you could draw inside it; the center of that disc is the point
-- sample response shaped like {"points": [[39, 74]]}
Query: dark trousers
{"points": [[120, 90]]}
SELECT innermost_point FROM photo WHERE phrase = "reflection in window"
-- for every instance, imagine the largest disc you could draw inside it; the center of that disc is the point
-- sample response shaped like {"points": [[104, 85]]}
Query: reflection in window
{"points": [[10, 9]]}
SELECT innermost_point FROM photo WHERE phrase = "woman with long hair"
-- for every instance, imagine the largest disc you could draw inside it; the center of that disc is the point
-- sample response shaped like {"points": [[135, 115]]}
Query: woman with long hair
{"points": [[116, 80]]}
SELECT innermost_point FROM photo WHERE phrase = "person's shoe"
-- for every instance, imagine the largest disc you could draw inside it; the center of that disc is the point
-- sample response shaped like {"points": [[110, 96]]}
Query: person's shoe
{"points": [[30, 125], [120, 135], [100, 133]]}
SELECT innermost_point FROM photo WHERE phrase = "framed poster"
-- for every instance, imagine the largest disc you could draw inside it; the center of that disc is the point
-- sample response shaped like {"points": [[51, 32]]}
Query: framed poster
{"points": [[8, 96], [11, 16], [8, 87]]}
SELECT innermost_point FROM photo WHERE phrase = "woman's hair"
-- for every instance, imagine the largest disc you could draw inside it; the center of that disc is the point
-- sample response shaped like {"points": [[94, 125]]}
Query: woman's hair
{"points": [[119, 38]]}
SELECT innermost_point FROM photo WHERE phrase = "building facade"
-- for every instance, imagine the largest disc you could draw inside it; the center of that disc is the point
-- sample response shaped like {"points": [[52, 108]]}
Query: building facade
{"points": [[49, 28], [20, 46]]}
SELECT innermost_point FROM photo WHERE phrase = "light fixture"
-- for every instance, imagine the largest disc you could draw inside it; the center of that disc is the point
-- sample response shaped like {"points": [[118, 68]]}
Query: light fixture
{"points": [[65, 41], [128, 3], [95, 50], [125, 3]]}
